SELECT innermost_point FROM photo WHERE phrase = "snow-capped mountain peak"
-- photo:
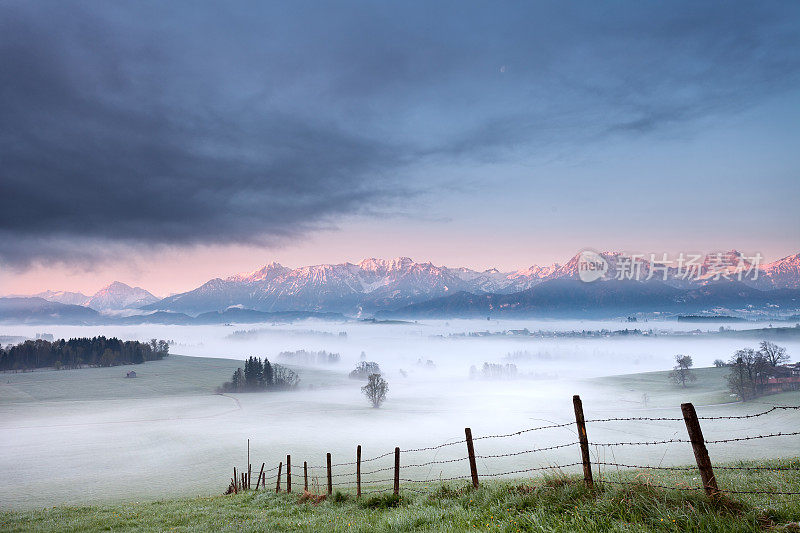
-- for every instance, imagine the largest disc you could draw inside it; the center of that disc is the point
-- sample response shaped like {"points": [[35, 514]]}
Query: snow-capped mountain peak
{"points": [[383, 266], [118, 295], [63, 297], [784, 272], [267, 272]]}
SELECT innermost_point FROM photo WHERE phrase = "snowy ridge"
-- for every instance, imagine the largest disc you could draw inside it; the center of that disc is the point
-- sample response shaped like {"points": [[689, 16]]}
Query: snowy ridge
{"points": [[120, 296], [375, 284], [379, 284]]}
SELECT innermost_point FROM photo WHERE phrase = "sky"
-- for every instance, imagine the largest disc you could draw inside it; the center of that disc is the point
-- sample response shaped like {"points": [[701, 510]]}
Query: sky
{"points": [[167, 143]]}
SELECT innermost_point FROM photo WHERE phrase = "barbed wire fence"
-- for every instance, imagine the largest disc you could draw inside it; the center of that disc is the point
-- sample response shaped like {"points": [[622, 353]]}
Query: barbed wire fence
{"points": [[389, 478]]}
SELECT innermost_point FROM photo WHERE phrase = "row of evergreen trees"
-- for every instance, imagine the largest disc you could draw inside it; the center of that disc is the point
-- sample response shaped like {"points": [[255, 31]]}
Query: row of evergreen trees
{"points": [[261, 376], [75, 353]]}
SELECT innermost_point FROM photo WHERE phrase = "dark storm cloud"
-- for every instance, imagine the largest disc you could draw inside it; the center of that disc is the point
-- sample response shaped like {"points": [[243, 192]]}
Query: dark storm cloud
{"points": [[182, 123]]}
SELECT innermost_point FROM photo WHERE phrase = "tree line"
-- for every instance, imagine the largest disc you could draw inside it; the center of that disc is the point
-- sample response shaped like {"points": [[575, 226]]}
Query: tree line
{"points": [[493, 371], [749, 369], [305, 357], [260, 376], [76, 353]]}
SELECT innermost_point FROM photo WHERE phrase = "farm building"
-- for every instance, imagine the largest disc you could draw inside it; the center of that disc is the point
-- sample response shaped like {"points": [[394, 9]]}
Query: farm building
{"points": [[782, 384], [784, 378]]}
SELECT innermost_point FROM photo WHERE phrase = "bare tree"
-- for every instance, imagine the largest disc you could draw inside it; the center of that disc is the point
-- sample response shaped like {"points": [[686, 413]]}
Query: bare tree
{"points": [[375, 390], [749, 371], [682, 372], [773, 354]]}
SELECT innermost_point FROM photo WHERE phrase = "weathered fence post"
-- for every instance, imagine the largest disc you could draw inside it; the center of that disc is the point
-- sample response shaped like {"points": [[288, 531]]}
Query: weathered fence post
{"points": [[278, 484], [264, 480], [248, 464], [305, 476], [358, 471], [330, 478], [700, 450], [260, 475], [235, 482], [473, 468], [584, 441], [249, 474], [289, 473], [396, 471]]}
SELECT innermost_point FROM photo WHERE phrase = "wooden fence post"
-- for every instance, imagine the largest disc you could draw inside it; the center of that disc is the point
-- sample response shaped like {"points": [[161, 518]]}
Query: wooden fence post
{"points": [[473, 468], [235, 482], [700, 450], [358, 471], [289, 474], [278, 484], [305, 476], [396, 471], [249, 474], [248, 464], [330, 478], [584, 441], [260, 475]]}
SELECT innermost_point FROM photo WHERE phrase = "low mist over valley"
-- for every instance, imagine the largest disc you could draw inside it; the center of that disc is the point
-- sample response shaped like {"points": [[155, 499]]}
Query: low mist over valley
{"points": [[62, 427], [412, 266]]}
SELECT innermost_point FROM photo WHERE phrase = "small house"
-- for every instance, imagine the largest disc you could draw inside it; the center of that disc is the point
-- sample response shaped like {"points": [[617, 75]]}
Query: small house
{"points": [[131, 374], [782, 384]]}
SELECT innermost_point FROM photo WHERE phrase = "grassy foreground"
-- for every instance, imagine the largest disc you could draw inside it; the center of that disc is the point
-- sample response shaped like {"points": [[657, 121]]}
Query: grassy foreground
{"points": [[555, 503]]}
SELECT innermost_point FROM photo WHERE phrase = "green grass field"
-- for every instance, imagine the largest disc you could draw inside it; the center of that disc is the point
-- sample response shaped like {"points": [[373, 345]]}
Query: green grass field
{"points": [[555, 503], [93, 437], [172, 376], [710, 388], [176, 375]]}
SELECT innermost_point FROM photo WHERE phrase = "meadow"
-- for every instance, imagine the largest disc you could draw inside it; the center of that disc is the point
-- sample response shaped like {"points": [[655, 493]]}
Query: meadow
{"points": [[559, 503], [91, 436]]}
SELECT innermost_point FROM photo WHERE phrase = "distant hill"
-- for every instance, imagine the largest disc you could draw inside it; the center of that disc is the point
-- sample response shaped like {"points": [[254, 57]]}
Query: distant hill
{"points": [[709, 318], [159, 317], [245, 316], [568, 297], [41, 311]]}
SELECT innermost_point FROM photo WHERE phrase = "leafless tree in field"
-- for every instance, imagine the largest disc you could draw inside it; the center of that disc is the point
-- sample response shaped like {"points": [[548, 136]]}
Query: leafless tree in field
{"points": [[682, 373], [375, 390], [773, 354]]}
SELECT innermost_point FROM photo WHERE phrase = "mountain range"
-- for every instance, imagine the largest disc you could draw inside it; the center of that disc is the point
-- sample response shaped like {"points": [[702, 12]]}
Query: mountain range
{"points": [[376, 287], [115, 297]]}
